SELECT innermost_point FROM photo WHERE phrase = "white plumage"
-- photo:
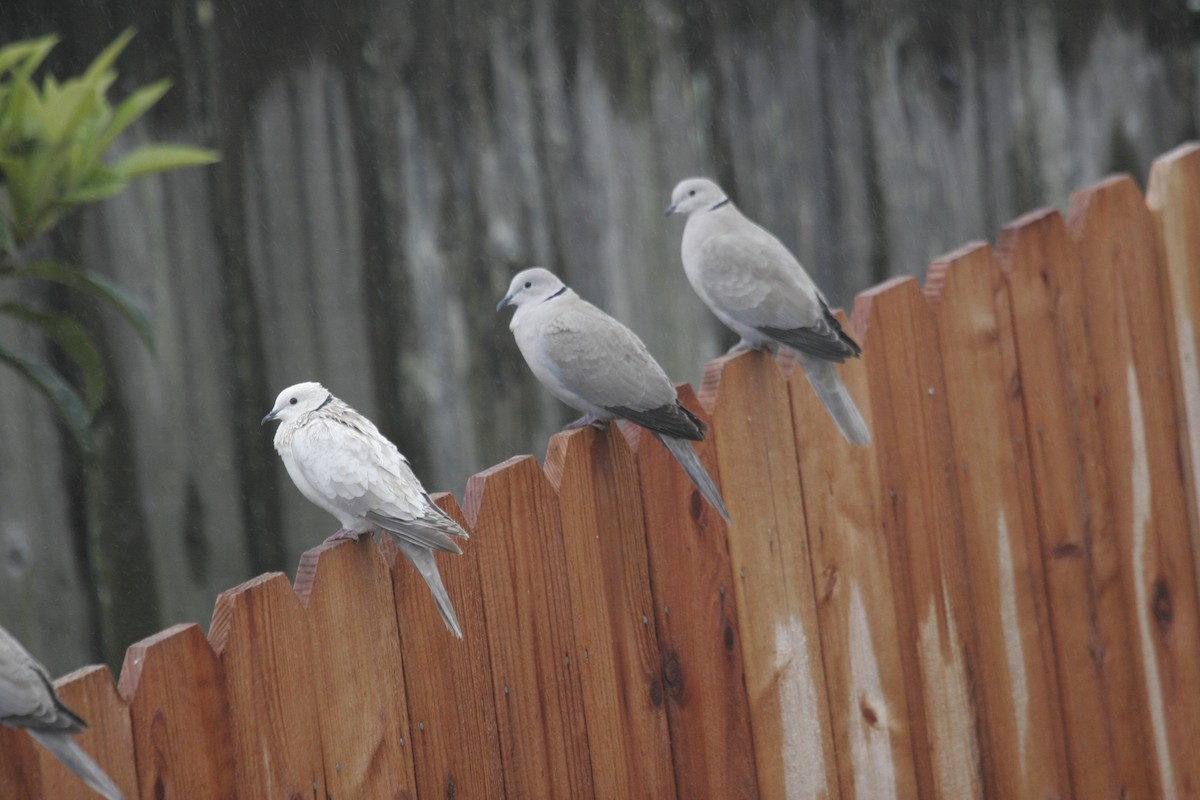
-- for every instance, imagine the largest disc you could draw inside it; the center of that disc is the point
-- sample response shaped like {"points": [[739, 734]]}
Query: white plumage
{"points": [[595, 364], [340, 461], [758, 288], [28, 700]]}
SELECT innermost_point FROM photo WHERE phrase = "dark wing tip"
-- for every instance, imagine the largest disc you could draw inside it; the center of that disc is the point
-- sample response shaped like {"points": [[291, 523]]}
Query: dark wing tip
{"points": [[671, 419]]}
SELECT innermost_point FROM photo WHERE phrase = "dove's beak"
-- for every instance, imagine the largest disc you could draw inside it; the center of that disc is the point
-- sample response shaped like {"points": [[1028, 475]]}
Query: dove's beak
{"points": [[669, 210], [500, 306], [268, 418]]}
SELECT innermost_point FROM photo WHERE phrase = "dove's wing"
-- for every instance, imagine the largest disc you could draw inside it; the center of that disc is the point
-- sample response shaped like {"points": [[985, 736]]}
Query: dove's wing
{"points": [[343, 456], [748, 274], [600, 360], [27, 697]]}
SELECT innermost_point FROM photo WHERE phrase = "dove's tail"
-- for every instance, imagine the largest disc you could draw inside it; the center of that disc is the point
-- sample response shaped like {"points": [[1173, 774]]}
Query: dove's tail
{"points": [[686, 455], [79, 762], [823, 377], [423, 559]]}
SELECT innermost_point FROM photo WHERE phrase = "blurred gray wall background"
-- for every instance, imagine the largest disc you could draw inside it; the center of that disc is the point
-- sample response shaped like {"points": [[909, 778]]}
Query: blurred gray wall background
{"points": [[387, 167]]}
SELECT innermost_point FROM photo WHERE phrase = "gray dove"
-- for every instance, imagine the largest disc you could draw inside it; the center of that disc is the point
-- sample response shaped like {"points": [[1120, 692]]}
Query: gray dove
{"points": [[595, 364], [28, 700], [340, 461], [758, 288]]}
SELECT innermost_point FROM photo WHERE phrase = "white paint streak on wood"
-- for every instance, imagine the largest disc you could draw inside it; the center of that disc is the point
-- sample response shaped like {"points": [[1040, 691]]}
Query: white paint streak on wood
{"points": [[800, 717], [1140, 472], [1013, 652], [1189, 371], [870, 740], [948, 707]]}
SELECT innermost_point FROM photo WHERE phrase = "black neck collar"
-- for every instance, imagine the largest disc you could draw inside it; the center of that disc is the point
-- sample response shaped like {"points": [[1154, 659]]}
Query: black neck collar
{"points": [[724, 202], [556, 294], [328, 400]]}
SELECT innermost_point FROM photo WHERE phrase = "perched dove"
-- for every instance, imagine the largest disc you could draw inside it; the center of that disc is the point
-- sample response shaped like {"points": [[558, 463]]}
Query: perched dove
{"points": [[28, 700], [595, 364], [341, 462], [756, 287]]}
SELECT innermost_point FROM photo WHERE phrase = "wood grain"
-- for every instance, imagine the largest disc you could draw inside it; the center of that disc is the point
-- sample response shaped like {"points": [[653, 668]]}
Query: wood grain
{"points": [[451, 706], [769, 552], [175, 689], [1174, 201], [860, 631], [922, 524], [616, 646], [357, 673], [696, 620], [514, 517], [91, 694], [1107, 749], [1016, 671], [1133, 400], [258, 633]]}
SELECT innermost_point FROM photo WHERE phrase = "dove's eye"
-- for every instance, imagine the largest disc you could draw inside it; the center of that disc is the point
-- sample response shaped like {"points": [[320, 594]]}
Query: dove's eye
{"points": [[292, 401], [528, 284], [692, 193]]}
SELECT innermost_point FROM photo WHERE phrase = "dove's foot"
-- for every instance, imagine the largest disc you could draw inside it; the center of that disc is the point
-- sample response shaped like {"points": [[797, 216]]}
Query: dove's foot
{"points": [[585, 421], [742, 346], [342, 533]]}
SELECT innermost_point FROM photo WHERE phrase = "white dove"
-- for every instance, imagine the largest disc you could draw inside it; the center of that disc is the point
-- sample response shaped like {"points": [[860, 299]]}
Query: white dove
{"points": [[340, 461], [758, 288], [595, 364], [28, 700]]}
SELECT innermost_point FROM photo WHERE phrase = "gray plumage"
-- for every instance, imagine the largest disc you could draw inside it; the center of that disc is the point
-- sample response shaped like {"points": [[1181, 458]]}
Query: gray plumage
{"points": [[758, 288], [340, 461], [28, 700], [595, 364]]}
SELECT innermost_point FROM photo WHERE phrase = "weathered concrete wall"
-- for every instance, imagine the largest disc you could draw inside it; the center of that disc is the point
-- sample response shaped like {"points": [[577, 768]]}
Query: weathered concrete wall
{"points": [[387, 167]]}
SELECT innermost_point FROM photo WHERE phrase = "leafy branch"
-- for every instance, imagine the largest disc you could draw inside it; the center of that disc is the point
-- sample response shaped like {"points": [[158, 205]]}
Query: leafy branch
{"points": [[53, 140]]}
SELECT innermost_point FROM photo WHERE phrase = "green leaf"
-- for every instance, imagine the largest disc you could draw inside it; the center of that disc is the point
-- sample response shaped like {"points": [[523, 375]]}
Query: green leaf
{"points": [[29, 54], [75, 341], [131, 109], [34, 49], [101, 184], [96, 286], [159, 157], [59, 392], [103, 62]]}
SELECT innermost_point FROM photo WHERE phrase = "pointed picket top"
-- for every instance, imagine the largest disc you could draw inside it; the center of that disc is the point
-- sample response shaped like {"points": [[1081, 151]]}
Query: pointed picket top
{"points": [[516, 528], [91, 693], [451, 705], [1052, 365], [922, 524], [354, 643], [860, 630], [1025, 730], [695, 619], [175, 689], [1174, 202], [258, 633], [769, 552], [1114, 234], [615, 642]]}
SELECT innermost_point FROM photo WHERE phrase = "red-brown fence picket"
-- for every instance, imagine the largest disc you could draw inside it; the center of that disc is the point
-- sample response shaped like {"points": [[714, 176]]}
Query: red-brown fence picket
{"points": [[998, 598]]}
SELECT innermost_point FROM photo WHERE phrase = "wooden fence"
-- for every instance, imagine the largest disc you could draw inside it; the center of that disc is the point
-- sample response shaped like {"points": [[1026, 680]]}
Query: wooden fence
{"points": [[997, 599]]}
